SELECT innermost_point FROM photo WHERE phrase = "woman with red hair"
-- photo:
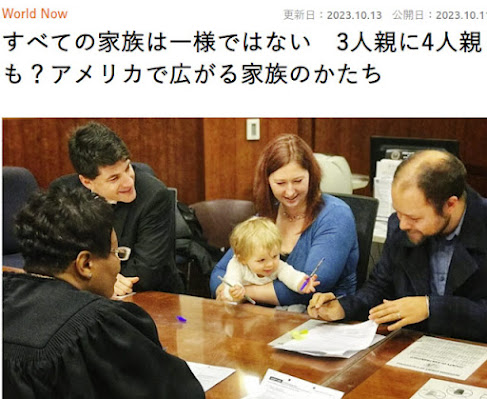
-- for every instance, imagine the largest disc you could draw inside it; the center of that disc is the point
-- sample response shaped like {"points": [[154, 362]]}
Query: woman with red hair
{"points": [[313, 225]]}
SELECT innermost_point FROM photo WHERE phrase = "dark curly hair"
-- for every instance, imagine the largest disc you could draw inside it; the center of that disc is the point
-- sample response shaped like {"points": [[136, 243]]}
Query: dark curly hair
{"points": [[54, 226], [93, 146]]}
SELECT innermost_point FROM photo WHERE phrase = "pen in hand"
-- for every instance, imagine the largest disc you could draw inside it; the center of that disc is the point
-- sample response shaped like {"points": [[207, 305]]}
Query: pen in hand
{"points": [[334, 299], [313, 272], [325, 306], [230, 285]]}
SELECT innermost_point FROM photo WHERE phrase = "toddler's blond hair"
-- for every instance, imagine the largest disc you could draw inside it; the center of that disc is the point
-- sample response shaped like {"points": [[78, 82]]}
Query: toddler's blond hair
{"points": [[252, 234]]}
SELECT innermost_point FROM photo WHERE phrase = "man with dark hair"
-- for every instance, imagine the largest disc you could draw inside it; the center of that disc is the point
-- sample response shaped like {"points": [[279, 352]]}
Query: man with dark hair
{"points": [[142, 206], [432, 274]]}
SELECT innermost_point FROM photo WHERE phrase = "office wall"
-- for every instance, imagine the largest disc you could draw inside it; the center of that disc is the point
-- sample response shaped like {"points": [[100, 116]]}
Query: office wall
{"points": [[202, 158], [211, 158], [172, 147], [230, 159], [351, 138]]}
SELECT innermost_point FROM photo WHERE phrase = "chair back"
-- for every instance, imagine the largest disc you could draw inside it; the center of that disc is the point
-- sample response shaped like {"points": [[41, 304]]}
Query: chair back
{"points": [[219, 217], [364, 210], [18, 185]]}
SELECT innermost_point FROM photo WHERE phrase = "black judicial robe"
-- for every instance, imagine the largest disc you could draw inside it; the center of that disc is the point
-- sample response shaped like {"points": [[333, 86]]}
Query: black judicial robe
{"points": [[60, 342]]}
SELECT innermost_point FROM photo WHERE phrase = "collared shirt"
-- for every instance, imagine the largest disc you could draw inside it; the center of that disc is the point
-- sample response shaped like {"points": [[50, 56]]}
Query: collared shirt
{"points": [[441, 253]]}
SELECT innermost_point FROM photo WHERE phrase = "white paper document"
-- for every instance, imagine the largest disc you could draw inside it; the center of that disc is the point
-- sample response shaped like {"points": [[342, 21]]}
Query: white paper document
{"points": [[441, 357], [385, 168], [277, 385], [208, 375], [382, 191], [319, 338], [439, 389], [380, 231]]}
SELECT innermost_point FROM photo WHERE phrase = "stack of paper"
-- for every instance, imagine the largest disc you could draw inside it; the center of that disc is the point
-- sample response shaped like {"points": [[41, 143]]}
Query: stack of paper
{"points": [[319, 338], [276, 385]]}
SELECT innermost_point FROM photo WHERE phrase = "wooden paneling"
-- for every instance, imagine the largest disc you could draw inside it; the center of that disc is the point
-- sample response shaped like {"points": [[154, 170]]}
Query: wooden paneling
{"points": [[351, 138], [230, 159], [211, 158], [172, 147]]}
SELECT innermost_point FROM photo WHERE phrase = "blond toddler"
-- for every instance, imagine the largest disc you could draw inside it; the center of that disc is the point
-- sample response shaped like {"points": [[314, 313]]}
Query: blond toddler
{"points": [[256, 244]]}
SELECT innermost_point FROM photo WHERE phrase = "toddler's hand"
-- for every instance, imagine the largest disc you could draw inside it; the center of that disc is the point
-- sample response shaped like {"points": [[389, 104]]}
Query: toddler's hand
{"points": [[310, 287], [237, 292]]}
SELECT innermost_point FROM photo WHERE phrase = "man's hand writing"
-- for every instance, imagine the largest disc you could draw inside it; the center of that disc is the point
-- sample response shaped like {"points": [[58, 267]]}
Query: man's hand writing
{"points": [[324, 306]]}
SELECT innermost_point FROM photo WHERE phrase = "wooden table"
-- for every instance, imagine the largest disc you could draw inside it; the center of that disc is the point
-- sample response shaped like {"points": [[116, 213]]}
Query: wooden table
{"points": [[370, 377], [237, 336]]}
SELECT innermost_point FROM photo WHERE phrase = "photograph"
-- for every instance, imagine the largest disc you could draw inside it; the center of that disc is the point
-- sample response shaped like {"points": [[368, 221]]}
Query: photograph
{"points": [[243, 201], [194, 244]]}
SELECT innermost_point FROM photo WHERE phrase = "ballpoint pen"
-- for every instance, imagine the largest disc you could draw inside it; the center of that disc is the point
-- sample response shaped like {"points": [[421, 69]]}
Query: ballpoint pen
{"points": [[335, 299], [311, 275], [230, 285]]}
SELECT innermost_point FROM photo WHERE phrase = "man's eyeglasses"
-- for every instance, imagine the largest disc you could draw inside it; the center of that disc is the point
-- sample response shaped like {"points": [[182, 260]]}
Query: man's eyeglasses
{"points": [[122, 253]]}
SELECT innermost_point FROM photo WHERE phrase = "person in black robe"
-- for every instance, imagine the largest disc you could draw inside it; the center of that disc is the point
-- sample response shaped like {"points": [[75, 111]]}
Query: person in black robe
{"points": [[63, 337]]}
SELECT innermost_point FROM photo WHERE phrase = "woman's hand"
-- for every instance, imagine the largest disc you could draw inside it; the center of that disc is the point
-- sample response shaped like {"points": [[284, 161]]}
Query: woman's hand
{"points": [[219, 292]]}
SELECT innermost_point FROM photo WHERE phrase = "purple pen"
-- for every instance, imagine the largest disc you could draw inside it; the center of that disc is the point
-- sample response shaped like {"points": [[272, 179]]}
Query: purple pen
{"points": [[311, 275]]}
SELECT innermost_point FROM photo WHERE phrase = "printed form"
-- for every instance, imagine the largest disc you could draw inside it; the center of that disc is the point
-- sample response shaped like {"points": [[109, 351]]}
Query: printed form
{"points": [[276, 385], [439, 389], [441, 357]]}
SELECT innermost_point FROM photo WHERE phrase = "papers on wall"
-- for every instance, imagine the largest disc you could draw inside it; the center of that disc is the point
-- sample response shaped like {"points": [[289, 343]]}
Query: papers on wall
{"points": [[441, 357], [385, 168], [382, 191], [446, 389], [382, 186], [380, 231], [209, 376], [277, 385], [319, 338]]}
